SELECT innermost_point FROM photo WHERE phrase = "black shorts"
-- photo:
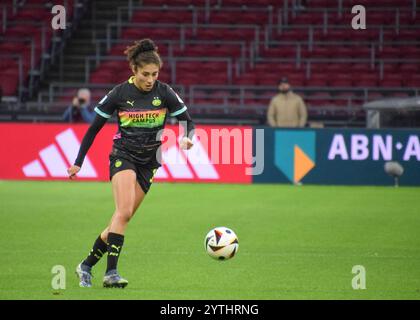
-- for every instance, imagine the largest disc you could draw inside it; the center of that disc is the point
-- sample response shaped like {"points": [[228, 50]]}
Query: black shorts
{"points": [[144, 174]]}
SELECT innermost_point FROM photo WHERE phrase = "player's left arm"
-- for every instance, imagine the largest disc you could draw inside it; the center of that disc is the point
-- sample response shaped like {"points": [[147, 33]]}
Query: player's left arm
{"points": [[178, 109], [188, 125]]}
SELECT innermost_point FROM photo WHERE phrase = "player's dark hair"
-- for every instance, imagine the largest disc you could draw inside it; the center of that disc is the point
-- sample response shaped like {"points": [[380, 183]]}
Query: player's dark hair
{"points": [[143, 52]]}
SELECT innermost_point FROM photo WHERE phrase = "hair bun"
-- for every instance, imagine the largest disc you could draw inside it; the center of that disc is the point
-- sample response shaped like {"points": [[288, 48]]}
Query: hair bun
{"points": [[146, 45]]}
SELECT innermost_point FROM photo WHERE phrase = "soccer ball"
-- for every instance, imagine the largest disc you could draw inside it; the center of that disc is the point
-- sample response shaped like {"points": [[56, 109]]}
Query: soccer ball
{"points": [[221, 243]]}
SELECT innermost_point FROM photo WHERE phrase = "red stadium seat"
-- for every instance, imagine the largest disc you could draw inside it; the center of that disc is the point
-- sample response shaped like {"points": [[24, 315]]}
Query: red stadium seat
{"points": [[114, 65], [293, 35], [320, 52], [280, 52], [267, 79], [305, 18], [174, 2], [102, 76], [365, 80], [389, 53], [340, 80], [391, 81], [409, 68], [318, 80], [247, 79], [9, 83], [239, 3], [297, 80], [337, 68], [408, 52], [34, 14], [360, 68], [412, 81], [346, 64], [118, 50]]}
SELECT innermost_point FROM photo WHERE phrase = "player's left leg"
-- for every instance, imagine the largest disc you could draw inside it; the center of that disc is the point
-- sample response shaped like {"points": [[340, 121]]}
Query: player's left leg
{"points": [[139, 196], [127, 197]]}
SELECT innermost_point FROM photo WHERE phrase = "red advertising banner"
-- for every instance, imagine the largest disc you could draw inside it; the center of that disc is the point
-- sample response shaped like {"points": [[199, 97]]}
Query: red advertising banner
{"points": [[45, 151]]}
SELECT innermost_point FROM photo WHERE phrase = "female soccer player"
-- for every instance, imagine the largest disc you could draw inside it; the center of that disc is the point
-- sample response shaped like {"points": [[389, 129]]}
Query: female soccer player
{"points": [[142, 104]]}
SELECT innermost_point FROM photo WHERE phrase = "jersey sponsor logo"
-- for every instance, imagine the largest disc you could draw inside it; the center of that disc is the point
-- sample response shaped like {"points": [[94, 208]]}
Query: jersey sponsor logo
{"points": [[142, 119], [130, 103], [51, 162]]}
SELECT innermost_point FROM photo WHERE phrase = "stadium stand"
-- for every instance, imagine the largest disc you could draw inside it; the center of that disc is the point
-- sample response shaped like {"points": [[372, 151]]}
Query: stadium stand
{"points": [[27, 43], [226, 56]]}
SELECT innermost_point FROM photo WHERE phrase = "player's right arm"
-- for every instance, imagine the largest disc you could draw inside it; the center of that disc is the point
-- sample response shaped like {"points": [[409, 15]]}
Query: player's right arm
{"points": [[87, 141], [104, 110]]}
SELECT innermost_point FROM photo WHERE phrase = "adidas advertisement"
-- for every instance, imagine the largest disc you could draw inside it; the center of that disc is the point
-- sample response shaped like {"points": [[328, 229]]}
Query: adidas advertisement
{"points": [[220, 154]]}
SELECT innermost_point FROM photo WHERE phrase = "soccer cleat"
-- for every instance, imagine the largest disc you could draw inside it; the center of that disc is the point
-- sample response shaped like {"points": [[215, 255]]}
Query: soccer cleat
{"points": [[85, 276], [113, 280]]}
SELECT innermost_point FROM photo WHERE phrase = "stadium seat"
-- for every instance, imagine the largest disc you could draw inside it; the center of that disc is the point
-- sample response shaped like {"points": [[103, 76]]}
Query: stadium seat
{"points": [[340, 80], [412, 81], [365, 80], [338, 58], [279, 52], [389, 53], [317, 80], [9, 83], [247, 79], [391, 80]]}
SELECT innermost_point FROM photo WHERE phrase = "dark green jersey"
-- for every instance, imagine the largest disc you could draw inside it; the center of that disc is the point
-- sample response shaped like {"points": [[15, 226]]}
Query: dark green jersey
{"points": [[141, 115]]}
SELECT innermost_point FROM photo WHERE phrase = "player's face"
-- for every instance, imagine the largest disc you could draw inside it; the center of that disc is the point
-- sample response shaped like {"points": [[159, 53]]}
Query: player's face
{"points": [[146, 76]]}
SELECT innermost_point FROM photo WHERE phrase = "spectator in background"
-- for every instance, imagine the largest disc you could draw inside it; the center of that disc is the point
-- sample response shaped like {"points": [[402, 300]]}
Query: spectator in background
{"points": [[286, 109], [80, 110]]}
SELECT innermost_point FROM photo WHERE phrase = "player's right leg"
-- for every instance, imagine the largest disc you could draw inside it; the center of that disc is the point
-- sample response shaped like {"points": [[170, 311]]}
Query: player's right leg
{"points": [[85, 275], [84, 269]]}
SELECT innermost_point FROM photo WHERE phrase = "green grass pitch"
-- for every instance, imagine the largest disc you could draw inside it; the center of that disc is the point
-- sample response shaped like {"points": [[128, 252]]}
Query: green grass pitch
{"points": [[294, 242]]}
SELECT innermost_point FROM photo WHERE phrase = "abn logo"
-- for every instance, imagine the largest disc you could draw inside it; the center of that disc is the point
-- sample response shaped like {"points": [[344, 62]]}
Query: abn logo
{"points": [[294, 153]]}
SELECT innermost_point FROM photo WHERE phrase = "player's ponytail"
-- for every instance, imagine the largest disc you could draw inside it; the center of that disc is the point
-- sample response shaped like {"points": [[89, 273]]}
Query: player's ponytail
{"points": [[143, 52]]}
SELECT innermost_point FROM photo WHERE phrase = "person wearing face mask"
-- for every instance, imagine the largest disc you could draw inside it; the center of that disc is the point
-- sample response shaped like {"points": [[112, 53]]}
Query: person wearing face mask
{"points": [[286, 109]]}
